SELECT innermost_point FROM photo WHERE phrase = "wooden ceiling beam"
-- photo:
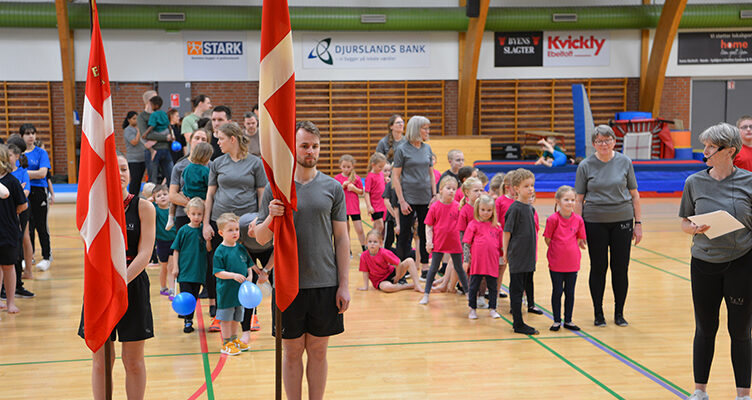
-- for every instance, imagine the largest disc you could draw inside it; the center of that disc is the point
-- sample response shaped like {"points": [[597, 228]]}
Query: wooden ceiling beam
{"points": [[469, 54], [65, 34]]}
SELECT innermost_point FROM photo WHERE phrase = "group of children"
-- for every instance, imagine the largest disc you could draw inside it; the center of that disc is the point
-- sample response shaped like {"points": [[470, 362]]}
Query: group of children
{"points": [[482, 233]]}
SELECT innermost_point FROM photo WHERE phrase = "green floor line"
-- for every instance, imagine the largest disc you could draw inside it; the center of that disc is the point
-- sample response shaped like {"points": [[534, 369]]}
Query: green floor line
{"points": [[660, 269], [89, 359], [207, 376], [662, 255]]}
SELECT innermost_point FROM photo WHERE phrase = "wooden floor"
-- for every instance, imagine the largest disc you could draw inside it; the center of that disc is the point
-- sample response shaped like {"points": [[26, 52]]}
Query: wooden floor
{"points": [[392, 347]]}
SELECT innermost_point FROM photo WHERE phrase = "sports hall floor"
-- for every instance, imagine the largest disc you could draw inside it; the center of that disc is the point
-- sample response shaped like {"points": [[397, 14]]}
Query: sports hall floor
{"points": [[392, 347]]}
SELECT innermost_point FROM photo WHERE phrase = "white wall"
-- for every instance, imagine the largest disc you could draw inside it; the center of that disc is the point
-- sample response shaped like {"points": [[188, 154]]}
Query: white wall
{"points": [[30, 55]]}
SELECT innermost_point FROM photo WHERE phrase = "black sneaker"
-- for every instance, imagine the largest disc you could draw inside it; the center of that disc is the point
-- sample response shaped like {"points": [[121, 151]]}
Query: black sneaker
{"points": [[525, 329], [402, 281], [599, 321], [618, 320], [534, 310], [423, 275], [23, 293], [188, 327], [571, 326], [503, 295], [2, 294], [555, 327]]}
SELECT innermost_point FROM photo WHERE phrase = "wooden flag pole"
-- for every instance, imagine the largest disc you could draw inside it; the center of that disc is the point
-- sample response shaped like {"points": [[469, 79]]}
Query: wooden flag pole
{"points": [[108, 369], [278, 351]]}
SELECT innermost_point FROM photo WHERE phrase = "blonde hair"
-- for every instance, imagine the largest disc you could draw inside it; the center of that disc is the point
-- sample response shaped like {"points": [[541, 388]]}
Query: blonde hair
{"points": [[351, 160], [231, 129], [201, 153], [412, 130], [377, 158], [487, 200], [466, 186], [374, 232], [195, 202], [148, 189], [520, 175], [482, 176], [226, 218], [560, 192], [496, 182], [446, 180], [5, 165]]}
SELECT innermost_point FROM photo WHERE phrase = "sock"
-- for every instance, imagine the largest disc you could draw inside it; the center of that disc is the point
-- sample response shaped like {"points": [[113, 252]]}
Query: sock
{"points": [[212, 311]]}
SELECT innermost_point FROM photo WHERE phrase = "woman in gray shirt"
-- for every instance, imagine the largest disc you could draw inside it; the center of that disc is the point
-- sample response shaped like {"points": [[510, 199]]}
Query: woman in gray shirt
{"points": [[393, 139], [721, 267], [608, 200], [134, 152], [413, 182]]}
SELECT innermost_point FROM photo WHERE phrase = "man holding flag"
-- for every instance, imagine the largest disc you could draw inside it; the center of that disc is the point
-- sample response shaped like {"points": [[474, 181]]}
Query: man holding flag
{"points": [[118, 231], [323, 259]]}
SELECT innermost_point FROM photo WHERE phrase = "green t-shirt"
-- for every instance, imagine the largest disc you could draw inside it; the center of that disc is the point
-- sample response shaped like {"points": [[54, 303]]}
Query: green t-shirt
{"points": [[190, 123], [163, 234], [192, 259], [230, 259]]}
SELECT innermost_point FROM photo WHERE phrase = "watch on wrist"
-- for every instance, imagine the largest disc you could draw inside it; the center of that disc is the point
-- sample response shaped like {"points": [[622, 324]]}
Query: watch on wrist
{"points": [[638, 222]]}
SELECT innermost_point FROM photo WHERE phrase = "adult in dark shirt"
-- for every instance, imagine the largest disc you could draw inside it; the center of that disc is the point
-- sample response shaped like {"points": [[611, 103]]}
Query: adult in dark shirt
{"points": [[220, 115], [174, 118], [143, 125], [456, 161]]}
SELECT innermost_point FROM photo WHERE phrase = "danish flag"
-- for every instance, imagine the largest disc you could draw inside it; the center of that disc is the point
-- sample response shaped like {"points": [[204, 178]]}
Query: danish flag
{"points": [[277, 140], [99, 204]]}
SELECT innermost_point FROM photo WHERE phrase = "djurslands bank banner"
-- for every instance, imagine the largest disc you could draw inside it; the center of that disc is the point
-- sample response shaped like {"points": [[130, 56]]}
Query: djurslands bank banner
{"points": [[365, 50], [571, 49]]}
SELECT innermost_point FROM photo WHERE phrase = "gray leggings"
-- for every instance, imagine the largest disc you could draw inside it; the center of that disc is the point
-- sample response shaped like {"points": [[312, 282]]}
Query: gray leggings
{"points": [[436, 262]]}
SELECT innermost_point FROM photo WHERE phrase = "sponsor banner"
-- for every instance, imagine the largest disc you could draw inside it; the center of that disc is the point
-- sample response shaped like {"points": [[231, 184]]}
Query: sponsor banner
{"points": [[570, 49], [211, 57], [364, 50], [518, 49], [715, 48]]}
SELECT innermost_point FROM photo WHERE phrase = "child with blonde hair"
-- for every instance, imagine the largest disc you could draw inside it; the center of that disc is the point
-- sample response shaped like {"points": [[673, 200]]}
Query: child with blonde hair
{"points": [[163, 241], [190, 251], [10, 228], [384, 269], [483, 239], [353, 187], [494, 187]]}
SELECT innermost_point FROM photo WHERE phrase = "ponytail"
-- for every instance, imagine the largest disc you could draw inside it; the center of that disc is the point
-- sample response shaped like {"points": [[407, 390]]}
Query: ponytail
{"points": [[128, 116]]}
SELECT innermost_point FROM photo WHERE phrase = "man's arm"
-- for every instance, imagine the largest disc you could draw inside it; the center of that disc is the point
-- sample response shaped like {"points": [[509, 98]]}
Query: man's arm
{"points": [[342, 254]]}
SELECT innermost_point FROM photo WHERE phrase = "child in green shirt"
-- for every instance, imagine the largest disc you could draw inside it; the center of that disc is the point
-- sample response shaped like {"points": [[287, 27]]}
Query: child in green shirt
{"points": [[163, 242], [190, 251]]}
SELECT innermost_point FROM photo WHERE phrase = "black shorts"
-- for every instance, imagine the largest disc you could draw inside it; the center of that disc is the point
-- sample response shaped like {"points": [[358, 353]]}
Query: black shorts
{"points": [[137, 322], [164, 250], [262, 256], [23, 218], [9, 254], [389, 278], [314, 311], [354, 217], [377, 215]]}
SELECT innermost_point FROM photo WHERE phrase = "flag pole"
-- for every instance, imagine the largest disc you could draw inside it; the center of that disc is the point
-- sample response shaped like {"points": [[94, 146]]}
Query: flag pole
{"points": [[277, 352], [107, 369]]}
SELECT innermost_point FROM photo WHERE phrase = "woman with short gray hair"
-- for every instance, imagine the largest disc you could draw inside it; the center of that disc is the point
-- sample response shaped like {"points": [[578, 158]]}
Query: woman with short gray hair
{"points": [[720, 267], [608, 200], [413, 182]]}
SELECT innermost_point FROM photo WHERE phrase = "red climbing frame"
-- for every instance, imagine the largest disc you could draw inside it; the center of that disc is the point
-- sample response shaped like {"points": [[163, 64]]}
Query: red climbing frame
{"points": [[662, 145]]}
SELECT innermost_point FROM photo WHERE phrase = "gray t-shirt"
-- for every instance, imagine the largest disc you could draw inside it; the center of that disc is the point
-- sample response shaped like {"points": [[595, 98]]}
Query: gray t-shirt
{"points": [[383, 146], [237, 184], [417, 175], [143, 121], [703, 194], [520, 222], [176, 178], [320, 202], [254, 147], [133, 153], [606, 187]]}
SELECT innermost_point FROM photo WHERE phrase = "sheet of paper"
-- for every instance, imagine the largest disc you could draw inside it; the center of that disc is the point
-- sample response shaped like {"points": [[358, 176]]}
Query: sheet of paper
{"points": [[720, 222]]}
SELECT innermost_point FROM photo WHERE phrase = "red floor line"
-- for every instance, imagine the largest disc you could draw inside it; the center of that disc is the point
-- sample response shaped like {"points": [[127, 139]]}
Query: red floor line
{"points": [[205, 350]]}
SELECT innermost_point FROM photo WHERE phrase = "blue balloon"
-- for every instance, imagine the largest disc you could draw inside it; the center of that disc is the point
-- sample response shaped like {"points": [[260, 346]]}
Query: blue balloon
{"points": [[184, 303], [249, 295], [176, 146]]}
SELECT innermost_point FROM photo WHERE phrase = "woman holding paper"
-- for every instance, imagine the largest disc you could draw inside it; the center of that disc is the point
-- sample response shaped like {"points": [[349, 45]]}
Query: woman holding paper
{"points": [[608, 200], [722, 266]]}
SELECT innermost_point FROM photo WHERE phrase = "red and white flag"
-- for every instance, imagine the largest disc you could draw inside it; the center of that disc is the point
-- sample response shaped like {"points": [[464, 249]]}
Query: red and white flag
{"points": [[99, 203], [277, 123]]}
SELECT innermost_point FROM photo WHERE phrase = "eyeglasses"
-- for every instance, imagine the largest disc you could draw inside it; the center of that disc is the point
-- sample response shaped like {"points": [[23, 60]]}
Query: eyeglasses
{"points": [[745, 127], [604, 141]]}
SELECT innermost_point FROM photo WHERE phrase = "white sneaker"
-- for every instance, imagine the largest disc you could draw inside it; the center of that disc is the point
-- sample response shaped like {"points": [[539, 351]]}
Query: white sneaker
{"points": [[472, 314], [493, 314], [699, 395], [424, 299], [482, 302], [43, 265]]}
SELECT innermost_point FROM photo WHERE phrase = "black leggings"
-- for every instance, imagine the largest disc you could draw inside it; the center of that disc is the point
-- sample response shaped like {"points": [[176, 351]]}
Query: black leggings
{"points": [[137, 175], [38, 222], [519, 282], [712, 283], [600, 237], [263, 257], [436, 261], [211, 280], [192, 288], [493, 294], [388, 234], [563, 282], [24, 219], [405, 237]]}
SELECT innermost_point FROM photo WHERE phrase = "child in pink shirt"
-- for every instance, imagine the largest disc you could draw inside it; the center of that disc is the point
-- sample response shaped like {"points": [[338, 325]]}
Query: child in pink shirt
{"points": [[353, 187], [483, 238], [384, 268], [375, 186], [442, 236], [564, 231]]}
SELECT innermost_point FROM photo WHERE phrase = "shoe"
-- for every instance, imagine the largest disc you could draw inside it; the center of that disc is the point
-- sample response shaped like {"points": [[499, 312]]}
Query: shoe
{"points": [[214, 327], [620, 321], [402, 281], [472, 314], [525, 330], [459, 289], [164, 291], [2, 294], [599, 321], [171, 296], [534, 310], [188, 327], [699, 395], [203, 294], [230, 349], [424, 299], [23, 293], [482, 302], [43, 265], [423, 275], [503, 295], [255, 324], [493, 314], [241, 345], [555, 327], [571, 326]]}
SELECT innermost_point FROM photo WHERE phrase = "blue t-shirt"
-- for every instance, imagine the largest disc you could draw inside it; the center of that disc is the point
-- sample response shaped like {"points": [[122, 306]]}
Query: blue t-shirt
{"points": [[159, 120], [38, 159], [23, 178]]}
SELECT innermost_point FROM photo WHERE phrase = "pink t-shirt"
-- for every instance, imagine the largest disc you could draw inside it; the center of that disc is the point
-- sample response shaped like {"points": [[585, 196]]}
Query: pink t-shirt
{"points": [[375, 188], [485, 247], [437, 175], [467, 214], [352, 200], [563, 252], [458, 195], [502, 205], [443, 218], [379, 266]]}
